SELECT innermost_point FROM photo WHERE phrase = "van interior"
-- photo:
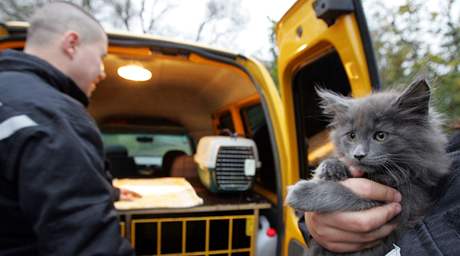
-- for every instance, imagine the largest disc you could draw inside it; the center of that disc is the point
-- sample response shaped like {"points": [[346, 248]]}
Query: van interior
{"points": [[151, 129], [156, 125]]}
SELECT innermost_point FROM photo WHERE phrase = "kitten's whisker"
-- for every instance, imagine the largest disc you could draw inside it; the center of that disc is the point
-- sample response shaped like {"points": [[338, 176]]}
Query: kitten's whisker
{"points": [[390, 173], [404, 175]]}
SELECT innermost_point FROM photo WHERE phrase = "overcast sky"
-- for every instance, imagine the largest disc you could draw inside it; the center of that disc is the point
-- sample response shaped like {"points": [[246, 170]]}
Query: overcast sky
{"points": [[259, 25], [183, 20], [253, 38]]}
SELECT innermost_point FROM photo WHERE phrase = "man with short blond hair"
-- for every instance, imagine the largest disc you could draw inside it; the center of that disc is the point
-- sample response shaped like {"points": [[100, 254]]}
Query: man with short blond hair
{"points": [[55, 198]]}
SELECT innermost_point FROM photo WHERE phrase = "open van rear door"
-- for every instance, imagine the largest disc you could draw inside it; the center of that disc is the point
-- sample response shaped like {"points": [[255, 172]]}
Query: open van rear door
{"points": [[322, 43]]}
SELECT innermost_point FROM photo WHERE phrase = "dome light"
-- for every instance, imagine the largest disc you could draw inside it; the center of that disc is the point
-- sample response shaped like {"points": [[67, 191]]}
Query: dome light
{"points": [[134, 72]]}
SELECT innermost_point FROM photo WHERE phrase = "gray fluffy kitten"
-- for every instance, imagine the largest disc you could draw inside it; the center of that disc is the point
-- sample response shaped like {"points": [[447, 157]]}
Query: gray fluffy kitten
{"points": [[395, 139]]}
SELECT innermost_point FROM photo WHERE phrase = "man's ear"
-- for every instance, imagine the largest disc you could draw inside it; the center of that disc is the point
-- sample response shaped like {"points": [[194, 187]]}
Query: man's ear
{"points": [[70, 42]]}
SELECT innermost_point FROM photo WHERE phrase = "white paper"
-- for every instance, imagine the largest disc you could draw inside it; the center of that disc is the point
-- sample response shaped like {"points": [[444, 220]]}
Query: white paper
{"points": [[170, 192]]}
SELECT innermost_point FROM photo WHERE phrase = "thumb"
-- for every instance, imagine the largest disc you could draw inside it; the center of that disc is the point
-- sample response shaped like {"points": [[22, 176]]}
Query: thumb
{"points": [[372, 190]]}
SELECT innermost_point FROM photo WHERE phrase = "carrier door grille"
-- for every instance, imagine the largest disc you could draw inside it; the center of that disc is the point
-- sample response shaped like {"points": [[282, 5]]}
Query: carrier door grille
{"points": [[230, 168]]}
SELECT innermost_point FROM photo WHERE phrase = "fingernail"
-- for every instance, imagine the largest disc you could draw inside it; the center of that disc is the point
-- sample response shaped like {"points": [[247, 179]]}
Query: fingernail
{"points": [[397, 208], [398, 197]]}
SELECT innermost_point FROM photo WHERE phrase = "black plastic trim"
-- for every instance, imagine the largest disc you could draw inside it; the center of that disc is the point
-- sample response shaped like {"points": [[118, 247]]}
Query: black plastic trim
{"points": [[164, 46], [330, 10], [155, 44], [16, 37], [367, 45], [303, 162]]}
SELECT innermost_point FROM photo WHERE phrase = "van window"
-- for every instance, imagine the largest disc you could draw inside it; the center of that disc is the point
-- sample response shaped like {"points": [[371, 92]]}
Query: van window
{"points": [[310, 121], [226, 122], [256, 128], [147, 148], [253, 118]]}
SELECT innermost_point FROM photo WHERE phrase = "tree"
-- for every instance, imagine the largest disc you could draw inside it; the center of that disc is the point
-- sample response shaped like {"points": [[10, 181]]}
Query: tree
{"points": [[399, 49], [415, 38], [14, 10], [221, 24], [273, 65], [141, 16], [223, 21], [448, 93], [23, 9]]}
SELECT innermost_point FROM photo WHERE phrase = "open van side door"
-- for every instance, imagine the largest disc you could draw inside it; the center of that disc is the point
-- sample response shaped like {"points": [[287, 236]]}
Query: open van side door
{"points": [[322, 43]]}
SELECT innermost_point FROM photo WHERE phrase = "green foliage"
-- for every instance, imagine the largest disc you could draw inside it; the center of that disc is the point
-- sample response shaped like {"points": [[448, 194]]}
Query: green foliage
{"points": [[419, 38], [273, 66]]}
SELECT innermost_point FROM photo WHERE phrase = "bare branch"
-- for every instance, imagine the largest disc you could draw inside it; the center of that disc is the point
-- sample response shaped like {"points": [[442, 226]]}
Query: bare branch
{"points": [[122, 9], [225, 15], [200, 29], [13, 10], [141, 16], [154, 18]]}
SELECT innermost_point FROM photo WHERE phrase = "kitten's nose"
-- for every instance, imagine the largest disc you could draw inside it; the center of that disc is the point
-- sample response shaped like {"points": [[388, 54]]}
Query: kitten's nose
{"points": [[360, 152], [359, 156]]}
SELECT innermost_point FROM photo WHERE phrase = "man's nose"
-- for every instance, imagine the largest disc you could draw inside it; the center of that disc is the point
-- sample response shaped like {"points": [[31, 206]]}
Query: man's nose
{"points": [[102, 74]]}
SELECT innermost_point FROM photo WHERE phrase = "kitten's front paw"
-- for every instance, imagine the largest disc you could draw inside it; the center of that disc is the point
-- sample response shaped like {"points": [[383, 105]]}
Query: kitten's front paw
{"points": [[332, 169], [300, 195]]}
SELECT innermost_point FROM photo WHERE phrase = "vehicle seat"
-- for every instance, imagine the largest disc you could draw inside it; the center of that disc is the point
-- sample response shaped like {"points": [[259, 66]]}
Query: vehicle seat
{"points": [[168, 159], [184, 166], [121, 165]]}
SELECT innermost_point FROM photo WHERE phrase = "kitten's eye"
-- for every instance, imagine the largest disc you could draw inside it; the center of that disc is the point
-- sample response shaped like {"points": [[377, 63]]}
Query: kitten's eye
{"points": [[351, 136], [380, 136]]}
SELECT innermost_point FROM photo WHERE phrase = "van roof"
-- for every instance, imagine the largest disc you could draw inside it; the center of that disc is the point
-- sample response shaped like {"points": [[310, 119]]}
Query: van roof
{"points": [[17, 29]]}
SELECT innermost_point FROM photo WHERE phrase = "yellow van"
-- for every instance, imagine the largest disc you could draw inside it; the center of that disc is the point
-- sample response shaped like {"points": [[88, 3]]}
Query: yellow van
{"points": [[152, 128]]}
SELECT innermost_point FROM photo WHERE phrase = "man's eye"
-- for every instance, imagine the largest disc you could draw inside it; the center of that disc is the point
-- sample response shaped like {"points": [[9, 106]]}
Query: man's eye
{"points": [[380, 136]]}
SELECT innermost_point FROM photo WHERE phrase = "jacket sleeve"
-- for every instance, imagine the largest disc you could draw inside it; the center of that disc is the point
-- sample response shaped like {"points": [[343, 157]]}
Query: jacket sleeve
{"points": [[65, 195], [108, 175], [304, 230]]}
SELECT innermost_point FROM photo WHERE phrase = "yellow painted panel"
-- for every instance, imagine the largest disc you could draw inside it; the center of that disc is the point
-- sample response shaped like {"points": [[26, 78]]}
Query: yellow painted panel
{"points": [[302, 39]]}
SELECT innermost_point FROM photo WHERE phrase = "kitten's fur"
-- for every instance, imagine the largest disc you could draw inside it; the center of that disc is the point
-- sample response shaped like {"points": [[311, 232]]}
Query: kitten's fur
{"points": [[410, 156]]}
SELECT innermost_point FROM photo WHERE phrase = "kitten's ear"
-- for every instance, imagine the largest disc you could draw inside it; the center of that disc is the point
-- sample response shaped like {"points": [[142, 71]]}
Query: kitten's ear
{"points": [[415, 98], [332, 104]]}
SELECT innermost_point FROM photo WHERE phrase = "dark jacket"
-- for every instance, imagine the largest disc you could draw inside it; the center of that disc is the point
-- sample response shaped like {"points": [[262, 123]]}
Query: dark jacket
{"points": [[54, 195], [439, 232]]}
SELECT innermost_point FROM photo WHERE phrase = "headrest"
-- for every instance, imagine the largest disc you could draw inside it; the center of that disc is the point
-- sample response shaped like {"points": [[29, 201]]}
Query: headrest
{"points": [[116, 150]]}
